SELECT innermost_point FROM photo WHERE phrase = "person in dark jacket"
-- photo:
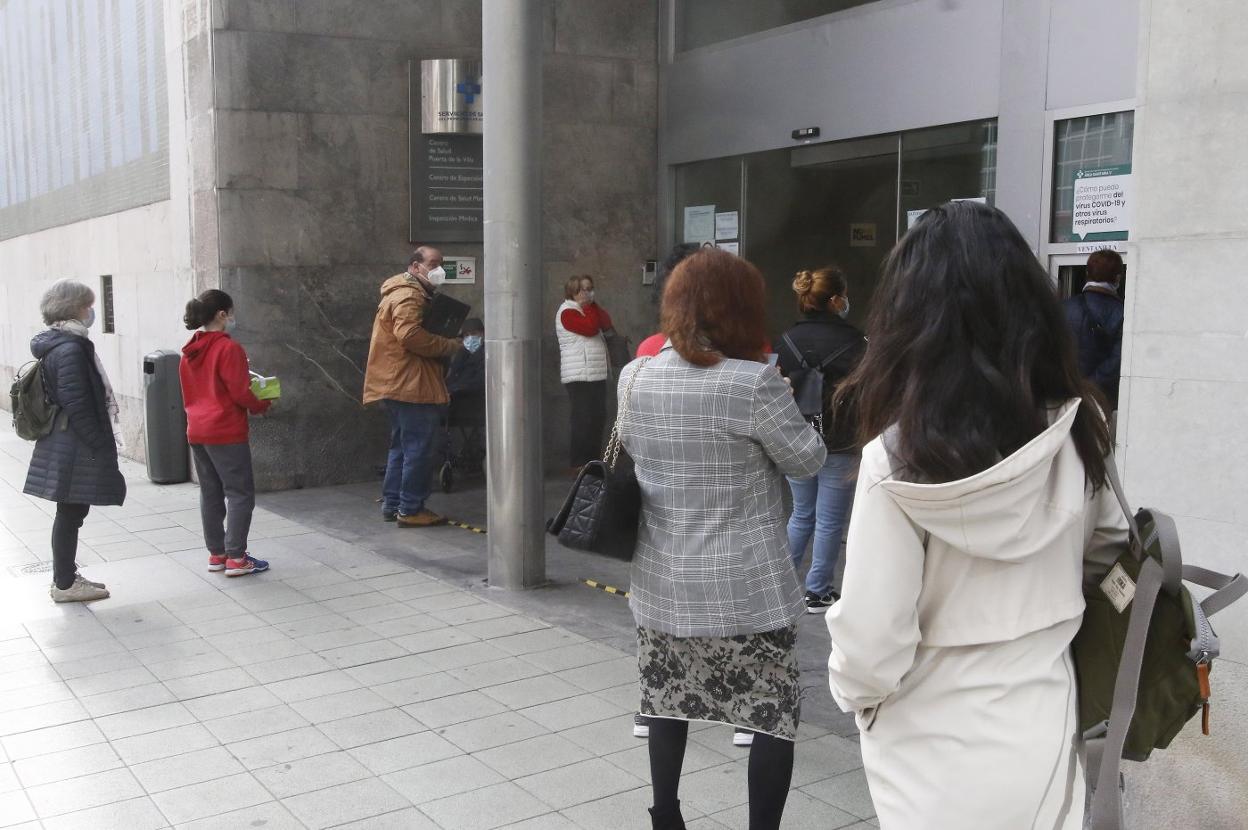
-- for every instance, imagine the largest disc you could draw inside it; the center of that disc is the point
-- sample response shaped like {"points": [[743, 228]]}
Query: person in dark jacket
{"points": [[821, 503], [466, 376], [1095, 317], [216, 391], [75, 465]]}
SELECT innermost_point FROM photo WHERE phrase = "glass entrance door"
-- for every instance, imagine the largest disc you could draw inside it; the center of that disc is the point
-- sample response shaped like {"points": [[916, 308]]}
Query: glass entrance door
{"points": [[841, 203], [1070, 272]]}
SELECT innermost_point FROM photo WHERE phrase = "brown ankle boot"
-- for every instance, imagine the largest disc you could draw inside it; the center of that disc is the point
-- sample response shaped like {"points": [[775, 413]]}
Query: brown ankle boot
{"points": [[669, 819]]}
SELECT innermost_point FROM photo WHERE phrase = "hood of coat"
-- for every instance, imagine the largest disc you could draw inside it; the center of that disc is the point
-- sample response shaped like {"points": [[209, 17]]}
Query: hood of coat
{"points": [[1001, 513], [200, 344], [48, 339], [402, 282]]}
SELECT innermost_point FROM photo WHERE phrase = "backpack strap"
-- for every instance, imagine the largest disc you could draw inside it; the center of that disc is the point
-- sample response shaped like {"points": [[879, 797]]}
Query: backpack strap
{"points": [[830, 359], [1105, 743], [801, 358], [1105, 751]]}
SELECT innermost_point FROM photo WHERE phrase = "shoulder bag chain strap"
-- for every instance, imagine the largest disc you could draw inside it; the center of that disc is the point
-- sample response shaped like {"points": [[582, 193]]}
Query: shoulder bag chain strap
{"points": [[612, 453]]}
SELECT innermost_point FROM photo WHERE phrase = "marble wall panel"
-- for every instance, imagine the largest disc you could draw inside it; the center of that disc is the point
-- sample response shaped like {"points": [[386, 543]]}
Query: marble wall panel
{"points": [[320, 245], [257, 149], [1197, 186], [620, 29]]}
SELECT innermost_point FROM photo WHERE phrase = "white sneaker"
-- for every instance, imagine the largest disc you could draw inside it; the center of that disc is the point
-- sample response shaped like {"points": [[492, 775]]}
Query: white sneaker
{"points": [[742, 737], [80, 591]]}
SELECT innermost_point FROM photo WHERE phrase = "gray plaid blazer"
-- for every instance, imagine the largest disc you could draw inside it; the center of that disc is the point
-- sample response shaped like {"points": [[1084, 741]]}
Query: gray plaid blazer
{"points": [[711, 445]]}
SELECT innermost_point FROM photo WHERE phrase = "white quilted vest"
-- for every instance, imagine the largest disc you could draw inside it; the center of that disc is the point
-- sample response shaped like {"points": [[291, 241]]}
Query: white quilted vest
{"points": [[581, 358]]}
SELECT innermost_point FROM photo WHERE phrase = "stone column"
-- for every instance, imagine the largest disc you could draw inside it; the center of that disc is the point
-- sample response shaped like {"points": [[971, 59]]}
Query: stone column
{"points": [[511, 36], [1184, 385]]}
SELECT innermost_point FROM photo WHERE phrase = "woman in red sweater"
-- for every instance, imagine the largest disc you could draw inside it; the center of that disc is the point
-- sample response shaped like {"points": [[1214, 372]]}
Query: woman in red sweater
{"points": [[216, 391]]}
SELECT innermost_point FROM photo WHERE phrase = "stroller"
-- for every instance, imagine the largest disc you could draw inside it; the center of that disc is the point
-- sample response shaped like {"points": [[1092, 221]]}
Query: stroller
{"points": [[464, 436]]}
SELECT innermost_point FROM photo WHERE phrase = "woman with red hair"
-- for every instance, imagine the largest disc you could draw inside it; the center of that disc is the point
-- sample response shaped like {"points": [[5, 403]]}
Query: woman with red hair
{"points": [[713, 429]]}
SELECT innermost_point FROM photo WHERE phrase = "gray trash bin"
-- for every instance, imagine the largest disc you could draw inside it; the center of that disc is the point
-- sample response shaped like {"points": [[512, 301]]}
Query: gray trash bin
{"points": [[164, 423]]}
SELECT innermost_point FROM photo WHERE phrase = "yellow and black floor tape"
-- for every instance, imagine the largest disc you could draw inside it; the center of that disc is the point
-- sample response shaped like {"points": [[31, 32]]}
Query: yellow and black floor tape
{"points": [[595, 584], [592, 583], [466, 526]]}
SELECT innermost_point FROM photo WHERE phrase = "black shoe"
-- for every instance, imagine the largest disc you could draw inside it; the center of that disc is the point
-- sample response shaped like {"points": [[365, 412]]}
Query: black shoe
{"points": [[669, 819], [818, 603], [389, 515]]}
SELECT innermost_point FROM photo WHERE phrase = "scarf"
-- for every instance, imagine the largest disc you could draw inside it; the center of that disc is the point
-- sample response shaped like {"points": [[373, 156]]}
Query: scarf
{"points": [[78, 328]]}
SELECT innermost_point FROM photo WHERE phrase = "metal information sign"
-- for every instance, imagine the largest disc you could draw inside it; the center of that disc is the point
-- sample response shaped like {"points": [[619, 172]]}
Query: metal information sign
{"points": [[446, 166]]}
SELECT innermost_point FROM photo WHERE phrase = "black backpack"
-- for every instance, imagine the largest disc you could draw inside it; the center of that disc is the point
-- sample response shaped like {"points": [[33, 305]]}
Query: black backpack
{"points": [[34, 411], [809, 390]]}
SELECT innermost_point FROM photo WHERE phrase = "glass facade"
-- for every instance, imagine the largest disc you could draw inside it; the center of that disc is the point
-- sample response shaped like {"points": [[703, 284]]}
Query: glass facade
{"points": [[1094, 143], [943, 163], [703, 22], [842, 203]]}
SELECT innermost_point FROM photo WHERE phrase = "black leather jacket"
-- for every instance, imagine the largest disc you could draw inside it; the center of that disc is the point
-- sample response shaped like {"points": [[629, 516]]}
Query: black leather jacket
{"points": [[818, 335]]}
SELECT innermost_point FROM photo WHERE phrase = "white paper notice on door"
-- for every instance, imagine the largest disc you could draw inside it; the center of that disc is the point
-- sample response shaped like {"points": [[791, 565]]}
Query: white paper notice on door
{"points": [[726, 225], [700, 223], [730, 247]]}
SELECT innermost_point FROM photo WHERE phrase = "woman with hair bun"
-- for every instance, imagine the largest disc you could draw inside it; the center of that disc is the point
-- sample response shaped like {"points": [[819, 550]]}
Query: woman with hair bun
{"points": [[216, 391], [823, 341]]}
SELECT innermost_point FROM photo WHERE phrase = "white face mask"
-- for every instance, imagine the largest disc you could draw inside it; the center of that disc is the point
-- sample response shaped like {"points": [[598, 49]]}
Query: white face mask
{"points": [[472, 342], [230, 323], [90, 321], [437, 276], [844, 312]]}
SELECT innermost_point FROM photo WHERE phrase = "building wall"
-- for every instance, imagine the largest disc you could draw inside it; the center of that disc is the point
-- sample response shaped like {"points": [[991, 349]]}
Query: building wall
{"points": [[132, 246], [85, 187], [1185, 364], [897, 65], [83, 115], [309, 117]]}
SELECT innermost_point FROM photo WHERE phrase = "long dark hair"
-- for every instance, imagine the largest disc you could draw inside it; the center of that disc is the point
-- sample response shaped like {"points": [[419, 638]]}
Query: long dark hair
{"points": [[203, 309], [967, 350]]}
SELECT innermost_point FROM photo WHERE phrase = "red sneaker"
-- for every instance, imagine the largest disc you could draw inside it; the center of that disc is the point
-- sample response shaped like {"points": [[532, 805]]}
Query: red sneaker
{"points": [[247, 565], [216, 562]]}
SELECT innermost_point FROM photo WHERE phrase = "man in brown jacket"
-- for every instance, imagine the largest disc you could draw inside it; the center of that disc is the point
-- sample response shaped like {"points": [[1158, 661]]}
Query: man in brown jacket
{"points": [[406, 374]]}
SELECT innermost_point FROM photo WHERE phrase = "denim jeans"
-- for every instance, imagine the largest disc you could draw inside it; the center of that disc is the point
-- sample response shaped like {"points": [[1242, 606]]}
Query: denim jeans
{"points": [[820, 506], [415, 436]]}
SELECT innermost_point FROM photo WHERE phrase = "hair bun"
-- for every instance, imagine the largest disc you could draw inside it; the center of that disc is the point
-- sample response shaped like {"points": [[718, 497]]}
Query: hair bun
{"points": [[804, 282]]}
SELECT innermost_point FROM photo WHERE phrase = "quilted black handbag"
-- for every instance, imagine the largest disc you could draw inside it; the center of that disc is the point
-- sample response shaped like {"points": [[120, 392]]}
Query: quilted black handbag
{"points": [[601, 512]]}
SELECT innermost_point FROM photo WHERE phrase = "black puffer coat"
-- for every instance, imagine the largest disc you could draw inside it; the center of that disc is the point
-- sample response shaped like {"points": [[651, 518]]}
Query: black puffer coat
{"points": [[77, 462]]}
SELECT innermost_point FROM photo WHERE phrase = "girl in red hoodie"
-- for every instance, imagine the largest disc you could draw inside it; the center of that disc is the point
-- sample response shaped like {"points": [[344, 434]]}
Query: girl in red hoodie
{"points": [[216, 391]]}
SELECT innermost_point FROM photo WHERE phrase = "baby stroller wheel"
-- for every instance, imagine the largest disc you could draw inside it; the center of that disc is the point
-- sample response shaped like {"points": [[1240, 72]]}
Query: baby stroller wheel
{"points": [[446, 477]]}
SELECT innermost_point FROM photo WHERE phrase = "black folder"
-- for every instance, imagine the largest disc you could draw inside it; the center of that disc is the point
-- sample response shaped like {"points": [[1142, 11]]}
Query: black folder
{"points": [[445, 316]]}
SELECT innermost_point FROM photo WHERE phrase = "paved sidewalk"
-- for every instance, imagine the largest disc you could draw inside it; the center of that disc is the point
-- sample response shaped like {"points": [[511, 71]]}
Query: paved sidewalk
{"points": [[342, 689]]}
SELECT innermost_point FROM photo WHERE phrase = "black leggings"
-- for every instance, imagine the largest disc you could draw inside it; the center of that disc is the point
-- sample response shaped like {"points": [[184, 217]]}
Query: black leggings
{"points": [[69, 519], [771, 771]]}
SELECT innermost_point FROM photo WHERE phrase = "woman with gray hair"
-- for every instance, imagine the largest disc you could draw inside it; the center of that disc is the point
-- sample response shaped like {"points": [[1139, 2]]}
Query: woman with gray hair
{"points": [[75, 465]]}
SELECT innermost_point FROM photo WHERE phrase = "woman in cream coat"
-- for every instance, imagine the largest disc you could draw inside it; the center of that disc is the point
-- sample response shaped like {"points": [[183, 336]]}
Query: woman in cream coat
{"points": [[974, 509]]}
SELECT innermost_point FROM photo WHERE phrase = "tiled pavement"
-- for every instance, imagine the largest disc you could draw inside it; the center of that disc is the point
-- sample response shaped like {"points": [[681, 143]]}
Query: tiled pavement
{"points": [[342, 689]]}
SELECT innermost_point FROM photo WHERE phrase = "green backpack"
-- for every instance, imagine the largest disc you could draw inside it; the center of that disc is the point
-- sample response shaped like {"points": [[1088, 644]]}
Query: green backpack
{"points": [[34, 413], [1143, 673]]}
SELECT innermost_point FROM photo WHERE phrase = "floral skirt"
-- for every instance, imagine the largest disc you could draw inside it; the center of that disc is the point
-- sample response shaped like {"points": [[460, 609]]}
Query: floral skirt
{"points": [[750, 680]]}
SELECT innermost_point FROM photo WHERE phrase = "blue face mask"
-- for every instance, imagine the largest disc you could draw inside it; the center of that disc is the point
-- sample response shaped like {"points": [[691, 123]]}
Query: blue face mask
{"points": [[472, 342], [90, 321]]}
